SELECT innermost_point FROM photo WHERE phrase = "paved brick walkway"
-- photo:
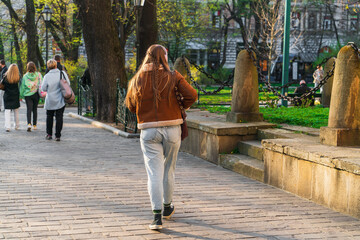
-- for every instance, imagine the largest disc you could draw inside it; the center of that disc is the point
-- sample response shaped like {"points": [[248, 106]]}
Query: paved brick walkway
{"points": [[92, 185]]}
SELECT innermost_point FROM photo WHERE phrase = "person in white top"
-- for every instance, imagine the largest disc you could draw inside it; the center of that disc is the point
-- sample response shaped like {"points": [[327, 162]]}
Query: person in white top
{"points": [[318, 76]]}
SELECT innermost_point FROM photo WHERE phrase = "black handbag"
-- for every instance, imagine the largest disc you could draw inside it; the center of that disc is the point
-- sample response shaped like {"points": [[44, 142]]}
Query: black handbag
{"points": [[184, 129]]}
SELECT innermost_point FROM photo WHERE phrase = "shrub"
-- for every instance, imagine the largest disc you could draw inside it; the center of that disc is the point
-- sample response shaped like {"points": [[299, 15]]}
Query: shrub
{"points": [[75, 70]]}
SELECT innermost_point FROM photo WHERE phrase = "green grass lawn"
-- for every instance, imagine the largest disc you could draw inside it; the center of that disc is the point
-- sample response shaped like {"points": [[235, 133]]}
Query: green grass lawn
{"points": [[224, 96], [314, 117]]}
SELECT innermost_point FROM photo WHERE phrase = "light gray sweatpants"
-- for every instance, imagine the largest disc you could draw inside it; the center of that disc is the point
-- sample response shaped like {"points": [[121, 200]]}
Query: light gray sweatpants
{"points": [[2, 106], [160, 147], [8, 118]]}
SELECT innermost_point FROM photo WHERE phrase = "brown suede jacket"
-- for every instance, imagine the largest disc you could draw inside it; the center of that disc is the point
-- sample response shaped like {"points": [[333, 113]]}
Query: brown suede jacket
{"points": [[168, 112]]}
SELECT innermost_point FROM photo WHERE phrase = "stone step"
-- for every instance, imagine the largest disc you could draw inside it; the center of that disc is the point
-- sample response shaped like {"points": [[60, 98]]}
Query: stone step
{"points": [[252, 149], [276, 133], [272, 133], [244, 165]]}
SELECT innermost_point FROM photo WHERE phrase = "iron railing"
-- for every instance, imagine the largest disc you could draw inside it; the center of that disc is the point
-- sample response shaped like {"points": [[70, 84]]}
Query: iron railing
{"points": [[86, 101], [123, 114]]}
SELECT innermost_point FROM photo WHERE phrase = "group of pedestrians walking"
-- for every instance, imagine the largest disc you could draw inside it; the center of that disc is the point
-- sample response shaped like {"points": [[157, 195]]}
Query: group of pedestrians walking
{"points": [[31, 87], [156, 94]]}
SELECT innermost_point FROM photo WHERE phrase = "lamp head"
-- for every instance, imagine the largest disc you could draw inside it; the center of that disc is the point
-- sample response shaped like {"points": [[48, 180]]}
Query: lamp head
{"points": [[47, 13], [139, 3]]}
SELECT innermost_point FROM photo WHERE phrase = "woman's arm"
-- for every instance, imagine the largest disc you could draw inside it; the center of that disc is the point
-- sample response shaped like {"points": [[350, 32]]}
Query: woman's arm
{"points": [[129, 101], [45, 85], [187, 91], [22, 88]]}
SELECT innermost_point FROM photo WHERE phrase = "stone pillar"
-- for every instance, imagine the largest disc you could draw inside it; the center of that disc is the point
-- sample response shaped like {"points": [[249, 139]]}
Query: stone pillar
{"points": [[179, 66], [327, 88], [344, 117], [245, 94]]}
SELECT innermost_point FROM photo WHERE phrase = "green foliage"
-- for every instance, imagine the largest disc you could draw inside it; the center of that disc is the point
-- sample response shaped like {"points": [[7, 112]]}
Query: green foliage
{"points": [[75, 70], [181, 22], [222, 74], [269, 98], [332, 53]]}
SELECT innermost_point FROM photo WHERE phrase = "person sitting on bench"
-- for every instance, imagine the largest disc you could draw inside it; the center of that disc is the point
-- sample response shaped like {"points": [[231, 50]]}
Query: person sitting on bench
{"points": [[299, 91]]}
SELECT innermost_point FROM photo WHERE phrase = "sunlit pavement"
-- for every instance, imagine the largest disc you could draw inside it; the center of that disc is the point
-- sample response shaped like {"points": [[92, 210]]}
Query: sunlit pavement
{"points": [[92, 185]]}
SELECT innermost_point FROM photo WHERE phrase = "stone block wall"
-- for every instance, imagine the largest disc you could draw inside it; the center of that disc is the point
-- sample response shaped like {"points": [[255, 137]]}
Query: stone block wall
{"points": [[208, 139], [316, 172]]}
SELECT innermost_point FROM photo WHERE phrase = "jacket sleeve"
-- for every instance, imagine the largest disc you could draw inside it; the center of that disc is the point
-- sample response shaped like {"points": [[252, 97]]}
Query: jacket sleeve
{"points": [[22, 88], [188, 92], [44, 85]]}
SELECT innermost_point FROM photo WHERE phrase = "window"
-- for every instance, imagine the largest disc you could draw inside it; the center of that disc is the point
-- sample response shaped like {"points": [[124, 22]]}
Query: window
{"points": [[354, 22], [192, 55], [196, 56], [312, 21], [214, 55], [295, 20], [327, 23], [216, 19]]}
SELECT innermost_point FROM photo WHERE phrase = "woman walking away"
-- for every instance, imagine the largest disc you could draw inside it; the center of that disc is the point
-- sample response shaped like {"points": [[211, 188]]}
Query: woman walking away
{"points": [[11, 96], [54, 101], [29, 88], [151, 94]]}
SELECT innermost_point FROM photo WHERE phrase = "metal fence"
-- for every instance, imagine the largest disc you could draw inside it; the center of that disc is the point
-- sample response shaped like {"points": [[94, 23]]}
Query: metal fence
{"points": [[86, 101], [123, 114]]}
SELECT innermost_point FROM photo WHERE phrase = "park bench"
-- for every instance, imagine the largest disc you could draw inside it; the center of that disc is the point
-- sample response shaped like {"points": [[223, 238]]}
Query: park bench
{"points": [[299, 102], [316, 95]]}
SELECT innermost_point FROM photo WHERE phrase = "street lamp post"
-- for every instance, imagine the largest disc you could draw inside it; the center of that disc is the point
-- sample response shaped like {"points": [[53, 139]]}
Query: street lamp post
{"points": [[139, 4], [285, 66], [47, 17]]}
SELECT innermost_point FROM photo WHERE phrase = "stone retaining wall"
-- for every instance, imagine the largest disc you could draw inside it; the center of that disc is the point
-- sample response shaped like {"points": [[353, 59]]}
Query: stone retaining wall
{"points": [[314, 171], [208, 139]]}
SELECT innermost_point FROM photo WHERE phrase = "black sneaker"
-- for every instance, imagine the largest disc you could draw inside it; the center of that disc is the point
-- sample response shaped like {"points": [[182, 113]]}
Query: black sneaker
{"points": [[168, 211], [57, 139], [157, 223], [48, 137]]}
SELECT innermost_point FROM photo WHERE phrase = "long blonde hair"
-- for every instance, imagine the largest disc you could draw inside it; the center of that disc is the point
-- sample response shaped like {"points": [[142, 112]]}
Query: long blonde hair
{"points": [[157, 56], [12, 74]]}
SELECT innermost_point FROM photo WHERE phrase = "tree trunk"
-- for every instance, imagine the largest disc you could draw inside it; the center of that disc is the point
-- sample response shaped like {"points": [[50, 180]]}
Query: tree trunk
{"points": [[31, 32], [225, 28], [40, 58], [17, 48], [104, 54], [148, 28], [2, 56], [321, 34]]}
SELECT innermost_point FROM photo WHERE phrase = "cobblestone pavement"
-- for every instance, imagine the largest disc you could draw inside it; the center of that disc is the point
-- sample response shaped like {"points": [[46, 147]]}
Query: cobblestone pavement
{"points": [[92, 185]]}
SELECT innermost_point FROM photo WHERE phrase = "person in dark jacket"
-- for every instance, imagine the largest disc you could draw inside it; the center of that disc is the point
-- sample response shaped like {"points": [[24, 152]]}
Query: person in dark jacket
{"points": [[57, 58], [86, 79], [302, 89], [86, 84], [12, 96], [2, 74]]}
